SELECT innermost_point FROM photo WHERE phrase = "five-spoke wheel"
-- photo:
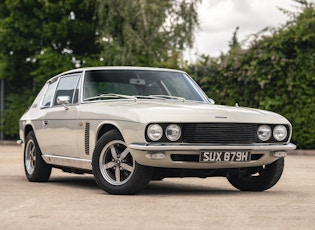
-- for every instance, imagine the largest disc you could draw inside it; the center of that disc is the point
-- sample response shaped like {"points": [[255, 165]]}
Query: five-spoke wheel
{"points": [[114, 168], [116, 163]]}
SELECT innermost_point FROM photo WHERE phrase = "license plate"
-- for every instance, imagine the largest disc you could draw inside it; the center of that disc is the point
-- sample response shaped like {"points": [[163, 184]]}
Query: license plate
{"points": [[224, 156]]}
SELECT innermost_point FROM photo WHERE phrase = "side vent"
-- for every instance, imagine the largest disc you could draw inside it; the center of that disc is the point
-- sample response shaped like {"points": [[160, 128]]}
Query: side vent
{"points": [[87, 138]]}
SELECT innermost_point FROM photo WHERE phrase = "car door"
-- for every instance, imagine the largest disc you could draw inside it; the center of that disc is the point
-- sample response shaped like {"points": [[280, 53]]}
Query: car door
{"points": [[59, 132]]}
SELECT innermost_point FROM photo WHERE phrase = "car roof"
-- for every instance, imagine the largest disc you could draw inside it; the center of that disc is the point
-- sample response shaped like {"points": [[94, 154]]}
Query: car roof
{"points": [[113, 68]]}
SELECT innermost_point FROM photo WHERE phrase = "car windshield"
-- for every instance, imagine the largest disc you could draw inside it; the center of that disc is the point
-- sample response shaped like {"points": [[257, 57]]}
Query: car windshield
{"points": [[142, 84]]}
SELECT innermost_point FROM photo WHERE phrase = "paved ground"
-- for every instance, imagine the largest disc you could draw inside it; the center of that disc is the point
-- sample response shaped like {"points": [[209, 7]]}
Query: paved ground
{"points": [[70, 201]]}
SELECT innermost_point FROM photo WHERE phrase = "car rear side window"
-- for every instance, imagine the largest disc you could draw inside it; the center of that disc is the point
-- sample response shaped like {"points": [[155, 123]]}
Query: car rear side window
{"points": [[49, 94]]}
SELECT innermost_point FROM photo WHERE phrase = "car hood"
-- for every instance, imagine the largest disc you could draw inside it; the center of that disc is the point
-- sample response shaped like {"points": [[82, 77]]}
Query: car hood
{"points": [[147, 111]]}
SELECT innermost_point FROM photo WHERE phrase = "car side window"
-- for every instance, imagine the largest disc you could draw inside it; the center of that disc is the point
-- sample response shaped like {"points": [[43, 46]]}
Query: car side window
{"points": [[76, 93], [66, 87], [49, 94]]}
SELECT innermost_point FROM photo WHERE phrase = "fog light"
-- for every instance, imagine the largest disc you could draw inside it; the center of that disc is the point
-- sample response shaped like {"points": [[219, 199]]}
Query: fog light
{"points": [[279, 154], [155, 156]]}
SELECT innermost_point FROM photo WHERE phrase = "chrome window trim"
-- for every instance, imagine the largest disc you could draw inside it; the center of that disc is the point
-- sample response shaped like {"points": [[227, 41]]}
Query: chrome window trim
{"points": [[197, 88], [57, 80], [191, 81]]}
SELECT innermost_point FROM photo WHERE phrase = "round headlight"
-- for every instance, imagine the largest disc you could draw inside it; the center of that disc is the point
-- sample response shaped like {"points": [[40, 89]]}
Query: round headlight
{"points": [[264, 132], [280, 132], [155, 132], [173, 132]]}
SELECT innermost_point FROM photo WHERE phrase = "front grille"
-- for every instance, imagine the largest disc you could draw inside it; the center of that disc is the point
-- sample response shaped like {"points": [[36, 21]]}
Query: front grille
{"points": [[220, 133]]}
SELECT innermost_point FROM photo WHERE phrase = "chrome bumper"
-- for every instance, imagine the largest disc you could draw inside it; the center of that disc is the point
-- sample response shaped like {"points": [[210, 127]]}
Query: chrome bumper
{"points": [[159, 155], [20, 142], [198, 147]]}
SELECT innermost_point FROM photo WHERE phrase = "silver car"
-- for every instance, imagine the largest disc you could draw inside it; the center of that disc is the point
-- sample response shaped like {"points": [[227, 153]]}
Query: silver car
{"points": [[130, 125]]}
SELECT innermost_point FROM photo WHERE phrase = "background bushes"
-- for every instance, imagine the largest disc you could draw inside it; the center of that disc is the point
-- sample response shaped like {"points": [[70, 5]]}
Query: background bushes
{"points": [[276, 72]]}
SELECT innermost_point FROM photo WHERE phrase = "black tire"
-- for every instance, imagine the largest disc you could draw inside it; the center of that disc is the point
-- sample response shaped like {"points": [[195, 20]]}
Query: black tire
{"points": [[36, 169], [115, 170], [258, 178]]}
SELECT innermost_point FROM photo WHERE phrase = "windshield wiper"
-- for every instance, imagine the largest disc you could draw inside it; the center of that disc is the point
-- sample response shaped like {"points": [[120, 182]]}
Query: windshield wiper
{"points": [[109, 96], [168, 97], [144, 97], [122, 96]]}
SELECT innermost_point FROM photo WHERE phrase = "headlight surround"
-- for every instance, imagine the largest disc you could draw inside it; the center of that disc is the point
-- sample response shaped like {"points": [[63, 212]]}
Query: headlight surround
{"points": [[173, 132], [280, 132], [264, 132], [155, 132]]}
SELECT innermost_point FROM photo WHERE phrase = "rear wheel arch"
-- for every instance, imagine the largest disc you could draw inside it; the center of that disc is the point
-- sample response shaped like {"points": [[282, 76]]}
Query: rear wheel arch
{"points": [[28, 128]]}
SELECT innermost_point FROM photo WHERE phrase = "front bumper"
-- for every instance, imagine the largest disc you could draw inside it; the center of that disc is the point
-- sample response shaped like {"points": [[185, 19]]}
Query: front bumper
{"points": [[264, 154]]}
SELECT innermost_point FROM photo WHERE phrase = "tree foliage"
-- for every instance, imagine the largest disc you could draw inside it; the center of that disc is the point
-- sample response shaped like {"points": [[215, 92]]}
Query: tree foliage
{"points": [[145, 33], [276, 72], [41, 38], [36, 31]]}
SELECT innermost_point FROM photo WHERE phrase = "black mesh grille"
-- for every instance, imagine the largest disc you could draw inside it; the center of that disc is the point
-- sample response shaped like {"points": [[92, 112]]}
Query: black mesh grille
{"points": [[87, 138], [220, 133]]}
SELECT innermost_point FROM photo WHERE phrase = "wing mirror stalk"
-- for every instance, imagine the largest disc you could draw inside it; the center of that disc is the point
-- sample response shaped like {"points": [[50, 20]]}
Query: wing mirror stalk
{"points": [[63, 100]]}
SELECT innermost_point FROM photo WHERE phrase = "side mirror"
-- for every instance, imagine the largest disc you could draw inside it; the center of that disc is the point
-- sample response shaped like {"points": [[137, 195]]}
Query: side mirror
{"points": [[63, 100], [211, 101]]}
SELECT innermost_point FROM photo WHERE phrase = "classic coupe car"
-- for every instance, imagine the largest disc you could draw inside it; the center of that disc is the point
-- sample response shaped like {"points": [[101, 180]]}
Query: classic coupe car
{"points": [[130, 125]]}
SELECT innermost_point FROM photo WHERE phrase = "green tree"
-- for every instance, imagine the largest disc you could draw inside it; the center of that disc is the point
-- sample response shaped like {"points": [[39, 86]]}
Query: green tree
{"points": [[41, 38], [275, 72], [146, 32]]}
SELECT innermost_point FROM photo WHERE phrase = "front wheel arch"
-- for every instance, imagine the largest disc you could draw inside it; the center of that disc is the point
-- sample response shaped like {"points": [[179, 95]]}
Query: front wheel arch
{"points": [[104, 129]]}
